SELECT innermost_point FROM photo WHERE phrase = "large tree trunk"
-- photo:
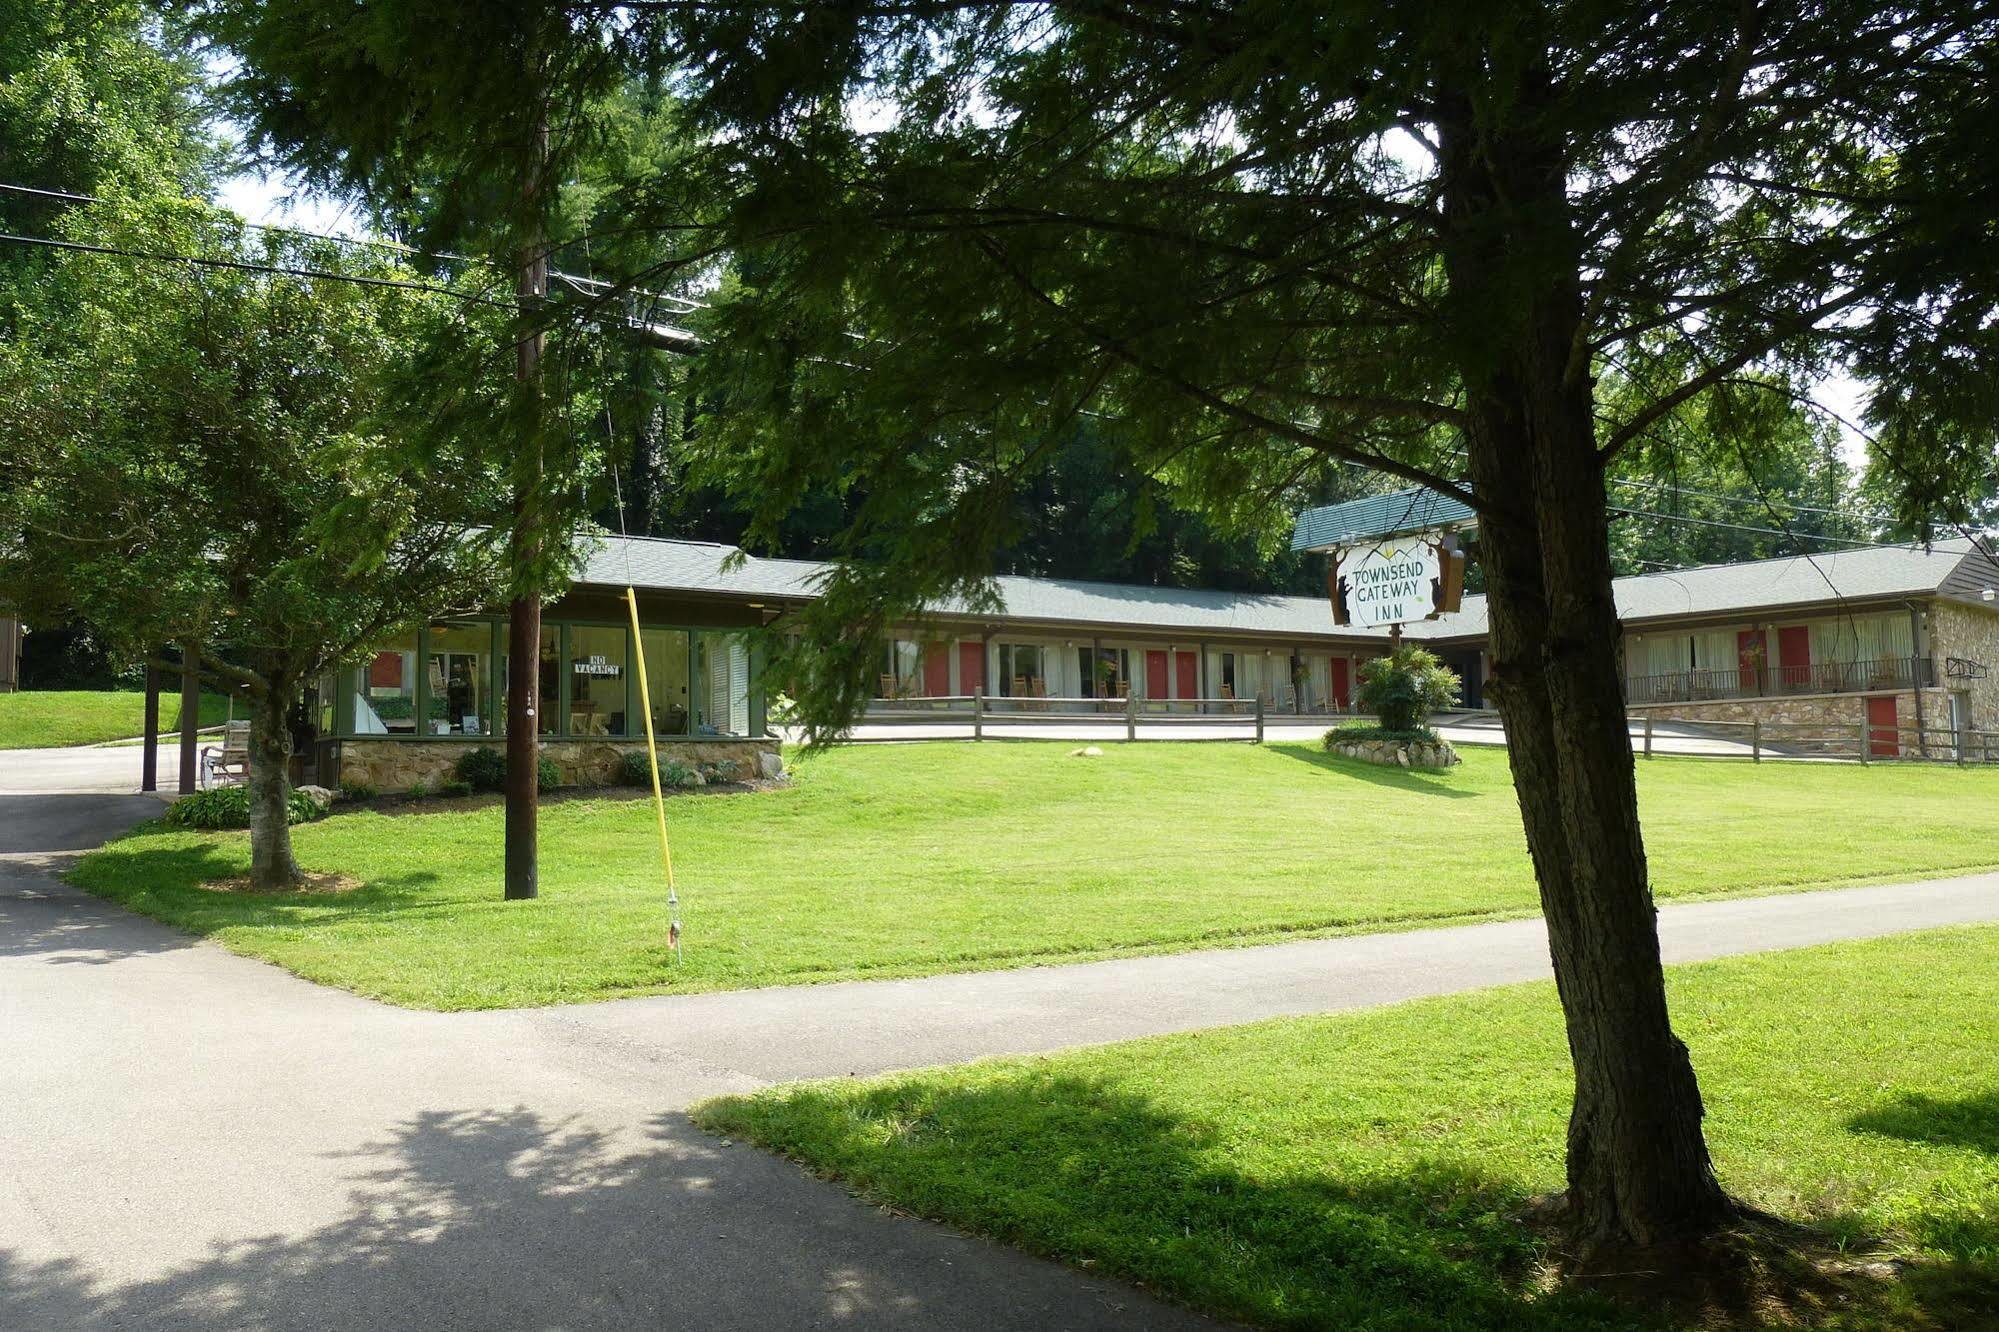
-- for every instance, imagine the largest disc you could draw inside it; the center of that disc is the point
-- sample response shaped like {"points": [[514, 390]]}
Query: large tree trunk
{"points": [[1638, 1169], [272, 868]]}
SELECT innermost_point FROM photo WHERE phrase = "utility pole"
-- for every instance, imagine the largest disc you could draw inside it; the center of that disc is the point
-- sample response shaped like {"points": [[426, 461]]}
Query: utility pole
{"points": [[524, 614]]}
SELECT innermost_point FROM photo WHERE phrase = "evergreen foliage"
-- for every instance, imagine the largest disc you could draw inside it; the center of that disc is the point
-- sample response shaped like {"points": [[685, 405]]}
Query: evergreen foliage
{"points": [[1403, 688]]}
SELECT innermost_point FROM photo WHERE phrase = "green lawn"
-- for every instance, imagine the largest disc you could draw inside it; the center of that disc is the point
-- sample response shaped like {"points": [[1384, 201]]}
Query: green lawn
{"points": [[46, 719], [1370, 1170], [912, 859]]}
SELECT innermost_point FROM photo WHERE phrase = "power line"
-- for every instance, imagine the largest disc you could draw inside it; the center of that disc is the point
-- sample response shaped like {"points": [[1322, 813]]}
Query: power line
{"points": [[582, 285], [244, 266], [1760, 531], [371, 242], [1744, 501]]}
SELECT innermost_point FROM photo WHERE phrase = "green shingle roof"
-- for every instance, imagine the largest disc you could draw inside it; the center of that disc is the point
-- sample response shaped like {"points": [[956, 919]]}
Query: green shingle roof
{"points": [[1417, 509]]}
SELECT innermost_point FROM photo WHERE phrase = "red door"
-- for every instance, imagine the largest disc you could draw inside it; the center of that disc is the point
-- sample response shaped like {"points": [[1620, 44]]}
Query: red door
{"points": [[1155, 673], [1339, 682], [1749, 658], [936, 671], [971, 667], [1794, 657], [1883, 740], [1189, 683]]}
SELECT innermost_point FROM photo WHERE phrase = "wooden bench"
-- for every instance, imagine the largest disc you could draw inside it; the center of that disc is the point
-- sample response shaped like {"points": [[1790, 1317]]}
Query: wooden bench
{"points": [[232, 760]]}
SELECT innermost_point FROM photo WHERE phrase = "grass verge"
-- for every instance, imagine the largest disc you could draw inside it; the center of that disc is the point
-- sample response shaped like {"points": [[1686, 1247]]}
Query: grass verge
{"points": [[1374, 1170], [898, 860], [57, 718]]}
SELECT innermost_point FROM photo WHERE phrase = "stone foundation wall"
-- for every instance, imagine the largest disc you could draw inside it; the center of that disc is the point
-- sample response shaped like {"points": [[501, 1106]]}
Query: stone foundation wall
{"points": [[1839, 716], [1829, 710], [397, 765]]}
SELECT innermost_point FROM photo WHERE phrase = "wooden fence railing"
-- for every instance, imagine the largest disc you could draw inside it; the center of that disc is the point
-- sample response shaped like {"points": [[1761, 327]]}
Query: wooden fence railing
{"points": [[983, 711]]}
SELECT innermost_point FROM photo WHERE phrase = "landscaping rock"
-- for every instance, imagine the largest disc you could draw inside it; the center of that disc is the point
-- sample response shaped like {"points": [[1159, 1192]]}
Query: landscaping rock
{"points": [[321, 798], [1398, 753], [770, 766]]}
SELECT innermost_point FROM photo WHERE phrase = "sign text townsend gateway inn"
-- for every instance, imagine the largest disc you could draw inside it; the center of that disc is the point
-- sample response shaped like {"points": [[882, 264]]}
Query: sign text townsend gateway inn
{"points": [[1391, 583], [1395, 558]]}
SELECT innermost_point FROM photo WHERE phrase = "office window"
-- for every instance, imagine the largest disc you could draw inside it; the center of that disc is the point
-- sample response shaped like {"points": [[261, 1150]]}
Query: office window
{"points": [[460, 683], [666, 679], [597, 680]]}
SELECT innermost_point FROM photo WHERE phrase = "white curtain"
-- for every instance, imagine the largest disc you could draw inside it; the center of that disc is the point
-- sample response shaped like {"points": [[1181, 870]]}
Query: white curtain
{"points": [[1863, 638], [1716, 650], [1660, 654]]}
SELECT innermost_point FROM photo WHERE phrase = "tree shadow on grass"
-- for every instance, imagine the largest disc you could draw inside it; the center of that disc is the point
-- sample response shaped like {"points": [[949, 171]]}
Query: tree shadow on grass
{"points": [[505, 1218], [1418, 781], [1966, 1121], [177, 884], [1093, 1175]]}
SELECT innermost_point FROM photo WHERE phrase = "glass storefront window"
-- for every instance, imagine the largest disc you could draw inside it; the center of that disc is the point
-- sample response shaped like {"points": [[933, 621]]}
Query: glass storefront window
{"points": [[548, 703], [700, 683], [459, 681], [666, 680], [597, 684], [722, 668], [384, 698]]}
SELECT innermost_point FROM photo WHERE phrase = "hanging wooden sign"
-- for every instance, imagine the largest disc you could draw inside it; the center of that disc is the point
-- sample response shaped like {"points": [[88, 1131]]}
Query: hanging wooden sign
{"points": [[1396, 581]]}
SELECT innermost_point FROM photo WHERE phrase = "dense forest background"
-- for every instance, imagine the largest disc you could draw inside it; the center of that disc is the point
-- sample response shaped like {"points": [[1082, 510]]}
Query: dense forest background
{"points": [[1689, 497]]}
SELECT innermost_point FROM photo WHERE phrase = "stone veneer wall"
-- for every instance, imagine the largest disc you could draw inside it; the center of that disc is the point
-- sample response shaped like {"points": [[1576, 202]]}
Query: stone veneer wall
{"points": [[396, 765], [1838, 714], [1972, 633]]}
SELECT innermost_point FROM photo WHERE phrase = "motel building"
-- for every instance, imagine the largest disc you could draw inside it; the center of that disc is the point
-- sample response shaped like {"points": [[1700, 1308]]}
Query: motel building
{"points": [[1877, 637]]}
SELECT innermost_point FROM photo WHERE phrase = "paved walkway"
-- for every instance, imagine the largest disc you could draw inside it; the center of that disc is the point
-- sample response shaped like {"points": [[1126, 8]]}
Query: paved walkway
{"points": [[192, 1139]]}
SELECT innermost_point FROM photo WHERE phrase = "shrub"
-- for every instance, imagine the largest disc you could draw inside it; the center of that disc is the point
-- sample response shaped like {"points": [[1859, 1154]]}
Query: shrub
{"points": [[633, 770], [485, 769], [721, 770], [1348, 732], [1403, 688], [482, 769], [357, 791], [229, 807], [419, 790], [672, 772], [454, 786]]}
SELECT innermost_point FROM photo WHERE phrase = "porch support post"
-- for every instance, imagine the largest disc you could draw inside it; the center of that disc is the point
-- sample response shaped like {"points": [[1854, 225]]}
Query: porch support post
{"points": [[149, 759], [190, 714], [1916, 675]]}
